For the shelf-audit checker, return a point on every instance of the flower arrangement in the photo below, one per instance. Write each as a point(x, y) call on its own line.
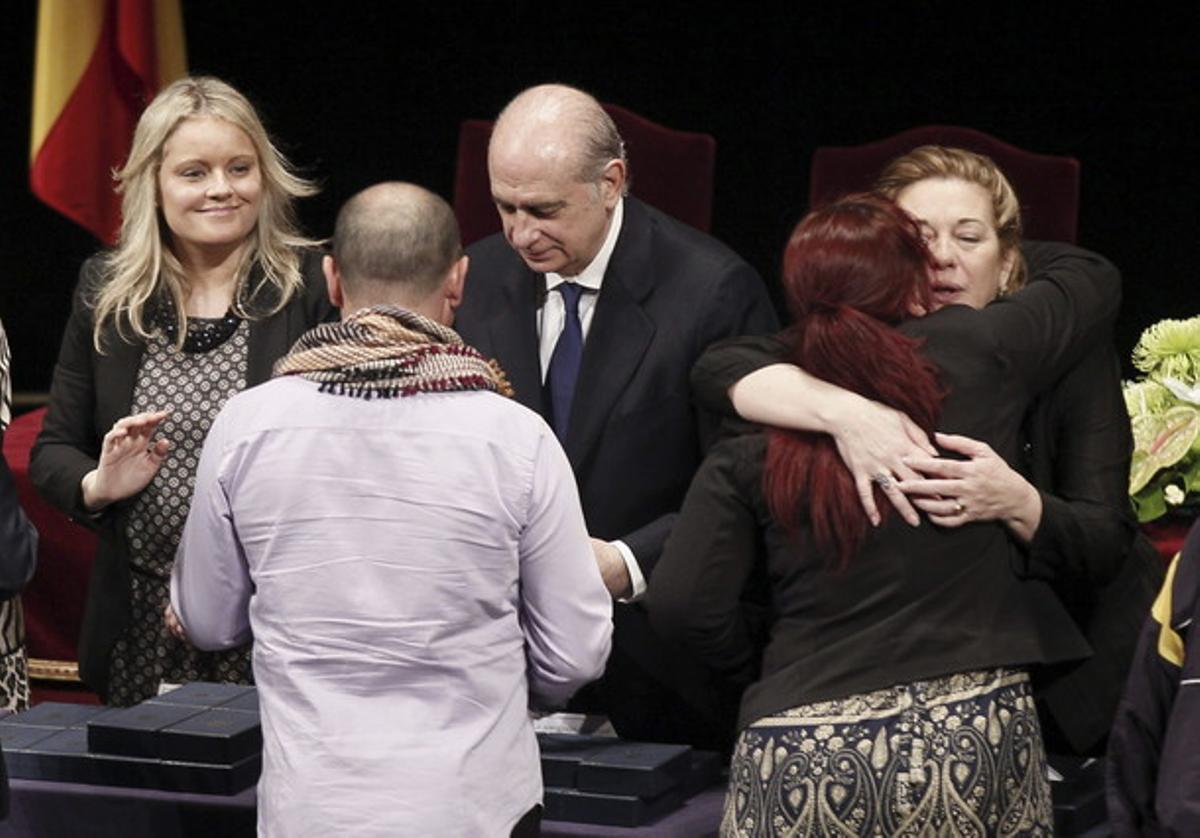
point(1164, 412)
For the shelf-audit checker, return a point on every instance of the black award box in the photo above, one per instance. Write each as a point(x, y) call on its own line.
point(202, 694)
point(641, 769)
point(217, 736)
point(562, 753)
point(133, 731)
point(56, 714)
point(247, 701)
point(202, 778)
point(606, 809)
point(1079, 796)
point(17, 742)
point(40, 752)
point(63, 756)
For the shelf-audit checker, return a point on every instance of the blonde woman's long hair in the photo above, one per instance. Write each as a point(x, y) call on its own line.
point(935, 161)
point(140, 267)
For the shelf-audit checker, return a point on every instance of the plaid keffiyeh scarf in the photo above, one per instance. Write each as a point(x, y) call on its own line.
point(387, 352)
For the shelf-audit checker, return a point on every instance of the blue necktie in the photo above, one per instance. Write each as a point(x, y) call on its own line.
point(564, 363)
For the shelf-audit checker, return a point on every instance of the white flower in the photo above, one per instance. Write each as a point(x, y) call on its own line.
point(1183, 391)
point(1173, 494)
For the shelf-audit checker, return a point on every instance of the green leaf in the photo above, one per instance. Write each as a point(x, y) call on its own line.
point(1149, 506)
point(1161, 441)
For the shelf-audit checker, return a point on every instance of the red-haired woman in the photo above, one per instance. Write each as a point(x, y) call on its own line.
point(891, 696)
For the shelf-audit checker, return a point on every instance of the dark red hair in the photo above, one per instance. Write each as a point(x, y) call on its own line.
point(851, 271)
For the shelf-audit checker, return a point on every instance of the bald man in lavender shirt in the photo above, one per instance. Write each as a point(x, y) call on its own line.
point(406, 548)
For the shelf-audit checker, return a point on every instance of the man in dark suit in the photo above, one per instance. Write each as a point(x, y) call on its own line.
point(596, 306)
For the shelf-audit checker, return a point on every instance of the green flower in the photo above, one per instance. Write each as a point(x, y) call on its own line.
point(1170, 348)
point(1146, 398)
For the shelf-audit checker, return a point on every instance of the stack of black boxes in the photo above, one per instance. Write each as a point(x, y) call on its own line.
point(601, 780)
point(201, 738)
point(206, 738)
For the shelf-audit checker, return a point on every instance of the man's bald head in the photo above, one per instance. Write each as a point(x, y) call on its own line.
point(397, 244)
point(395, 234)
point(562, 124)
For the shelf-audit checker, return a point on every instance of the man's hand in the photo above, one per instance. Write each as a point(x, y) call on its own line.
point(612, 569)
point(173, 625)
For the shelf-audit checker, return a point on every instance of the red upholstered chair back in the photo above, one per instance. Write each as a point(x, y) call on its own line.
point(671, 170)
point(1047, 186)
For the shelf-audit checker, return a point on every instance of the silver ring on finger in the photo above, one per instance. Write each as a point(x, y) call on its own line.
point(883, 480)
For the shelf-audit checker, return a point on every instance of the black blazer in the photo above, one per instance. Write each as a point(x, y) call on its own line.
point(90, 391)
point(635, 438)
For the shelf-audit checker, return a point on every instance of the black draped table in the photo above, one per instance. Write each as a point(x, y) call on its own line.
point(44, 808)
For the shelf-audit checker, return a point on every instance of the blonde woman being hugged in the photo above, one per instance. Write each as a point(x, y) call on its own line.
point(210, 283)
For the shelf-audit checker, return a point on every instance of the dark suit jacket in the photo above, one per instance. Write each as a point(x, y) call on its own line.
point(635, 437)
point(1087, 545)
point(90, 391)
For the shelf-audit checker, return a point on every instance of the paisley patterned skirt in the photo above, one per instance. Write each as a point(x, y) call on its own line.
point(957, 755)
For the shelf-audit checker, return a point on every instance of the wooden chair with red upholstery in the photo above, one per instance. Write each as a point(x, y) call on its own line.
point(670, 170)
point(1047, 185)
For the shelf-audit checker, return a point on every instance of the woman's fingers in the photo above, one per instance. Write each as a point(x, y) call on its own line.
point(931, 487)
point(963, 445)
point(887, 483)
point(917, 436)
point(944, 512)
point(866, 497)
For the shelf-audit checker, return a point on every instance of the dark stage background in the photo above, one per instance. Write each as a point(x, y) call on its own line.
point(358, 92)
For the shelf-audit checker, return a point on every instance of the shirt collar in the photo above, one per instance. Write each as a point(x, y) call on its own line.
point(593, 275)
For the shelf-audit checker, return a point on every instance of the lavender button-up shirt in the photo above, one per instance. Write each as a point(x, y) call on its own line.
point(415, 572)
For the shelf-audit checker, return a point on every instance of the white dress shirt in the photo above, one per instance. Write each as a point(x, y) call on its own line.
point(552, 318)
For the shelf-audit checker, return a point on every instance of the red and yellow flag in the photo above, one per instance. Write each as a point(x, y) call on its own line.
point(99, 63)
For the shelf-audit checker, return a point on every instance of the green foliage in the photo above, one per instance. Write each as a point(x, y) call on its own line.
point(1165, 468)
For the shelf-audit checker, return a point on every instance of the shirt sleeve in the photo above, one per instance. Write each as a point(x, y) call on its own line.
point(210, 583)
point(637, 580)
point(566, 612)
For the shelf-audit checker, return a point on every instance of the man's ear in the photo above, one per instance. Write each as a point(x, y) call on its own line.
point(453, 288)
point(333, 281)
point(612, 183)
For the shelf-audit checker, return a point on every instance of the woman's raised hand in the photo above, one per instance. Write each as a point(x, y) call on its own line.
point(129, 459)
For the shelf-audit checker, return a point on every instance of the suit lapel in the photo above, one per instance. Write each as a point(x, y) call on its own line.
point(619, 336)
point(513, 333)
